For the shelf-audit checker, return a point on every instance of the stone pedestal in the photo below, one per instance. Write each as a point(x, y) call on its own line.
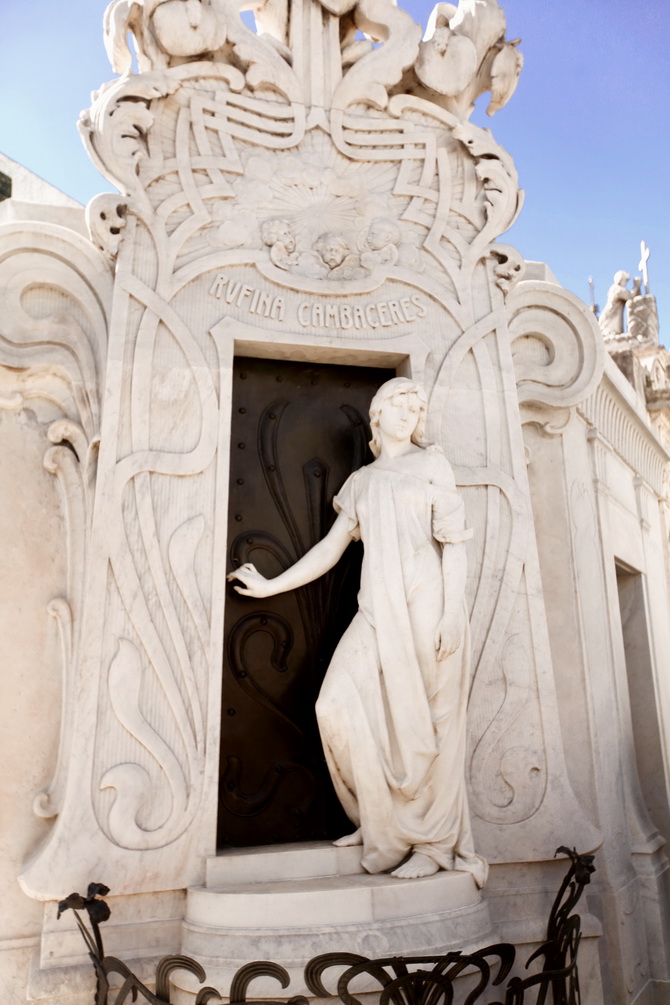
point(289, 903)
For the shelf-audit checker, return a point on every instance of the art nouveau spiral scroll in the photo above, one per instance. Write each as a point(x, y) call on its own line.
point(56, 294)
point(558, 354)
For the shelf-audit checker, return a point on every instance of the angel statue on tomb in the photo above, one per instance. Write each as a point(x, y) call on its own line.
point(611, 317)
point(391, 711)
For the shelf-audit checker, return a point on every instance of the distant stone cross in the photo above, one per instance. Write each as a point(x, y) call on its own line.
point(642, 266)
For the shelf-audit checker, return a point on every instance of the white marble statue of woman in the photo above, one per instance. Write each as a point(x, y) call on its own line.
point(391, 711)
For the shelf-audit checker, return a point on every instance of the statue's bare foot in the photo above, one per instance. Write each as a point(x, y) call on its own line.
point(417, 865)
point(349, 840)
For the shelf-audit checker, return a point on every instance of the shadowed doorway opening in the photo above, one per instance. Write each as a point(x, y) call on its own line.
point(298, 430)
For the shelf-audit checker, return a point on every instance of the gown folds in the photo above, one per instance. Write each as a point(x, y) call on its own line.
point(391, 716)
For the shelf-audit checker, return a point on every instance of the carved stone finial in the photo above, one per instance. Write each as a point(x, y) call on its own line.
point(106, 220)
point(164, 32)
point(643, 319)
point(509, 266)
point(465, 54)
point(593, 306)
point(174, 32)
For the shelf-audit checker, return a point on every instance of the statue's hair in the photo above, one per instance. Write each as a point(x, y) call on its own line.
point(398, 385)
point(621, 278)
point(271, 230)
point(328, 238)
point(390, 226)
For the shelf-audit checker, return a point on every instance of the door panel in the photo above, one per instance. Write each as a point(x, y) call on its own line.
point(298, 430)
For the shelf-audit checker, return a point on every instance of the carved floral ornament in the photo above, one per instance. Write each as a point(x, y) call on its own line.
point(463, 54)
point(325, 155)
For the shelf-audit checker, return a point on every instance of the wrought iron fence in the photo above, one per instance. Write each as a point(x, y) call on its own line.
point(400, 980)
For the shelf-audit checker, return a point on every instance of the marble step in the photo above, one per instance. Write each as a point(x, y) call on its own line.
point(269, 863)
point(292, 919)
point(326, 900)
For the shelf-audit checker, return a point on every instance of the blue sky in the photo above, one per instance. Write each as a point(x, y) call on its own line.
point(589, 126)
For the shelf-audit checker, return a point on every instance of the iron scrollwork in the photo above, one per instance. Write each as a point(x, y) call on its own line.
point(401, 980)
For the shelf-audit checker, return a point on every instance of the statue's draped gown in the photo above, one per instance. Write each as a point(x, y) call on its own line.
point(391, 716)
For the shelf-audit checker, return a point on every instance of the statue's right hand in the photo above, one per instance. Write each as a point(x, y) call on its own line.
point(254, 584)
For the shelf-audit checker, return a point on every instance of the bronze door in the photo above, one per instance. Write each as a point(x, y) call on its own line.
point(298, 430)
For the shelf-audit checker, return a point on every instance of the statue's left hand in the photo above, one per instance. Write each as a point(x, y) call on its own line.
point(255, 585)
point(449, 635)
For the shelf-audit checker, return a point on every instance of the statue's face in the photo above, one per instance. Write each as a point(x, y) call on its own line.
point(333, 252)
point(399, 415)
point(379, 237)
